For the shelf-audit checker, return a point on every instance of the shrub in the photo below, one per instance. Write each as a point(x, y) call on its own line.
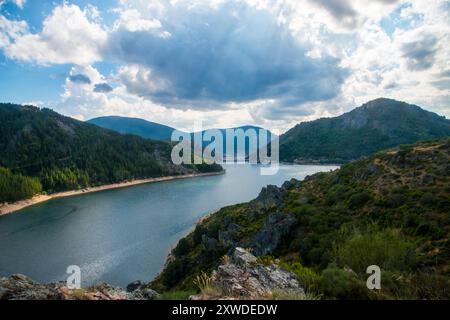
point(182, 248)
point(387, 248)
point(307, 277)
point(341, 284)
point(204, 283)
point(359, 199)
point(199, 231)
point(174, 272)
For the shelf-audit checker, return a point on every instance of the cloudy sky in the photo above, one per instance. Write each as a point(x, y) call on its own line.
point(266, 62)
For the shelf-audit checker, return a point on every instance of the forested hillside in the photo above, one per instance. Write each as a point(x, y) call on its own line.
point(390, 209)
point(376, 125)
point(64, 153)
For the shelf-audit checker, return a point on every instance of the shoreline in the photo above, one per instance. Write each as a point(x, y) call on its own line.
point(21, 204)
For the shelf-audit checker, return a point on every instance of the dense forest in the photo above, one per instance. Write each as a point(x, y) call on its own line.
point(64, 153)
point(375, 126)
point(14, 187)
point(389, 210)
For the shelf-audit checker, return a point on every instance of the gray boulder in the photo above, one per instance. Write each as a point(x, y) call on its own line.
point(244, 278)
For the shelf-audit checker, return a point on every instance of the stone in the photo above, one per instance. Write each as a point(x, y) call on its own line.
point(245, 278)
point(134, 285)
point(21, 287)
point(276, 226)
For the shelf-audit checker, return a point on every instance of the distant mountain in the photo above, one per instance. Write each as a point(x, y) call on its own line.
point(248, 149)
point(153, 130)
point(64, 153)
point(376, 125)
point(136, 126)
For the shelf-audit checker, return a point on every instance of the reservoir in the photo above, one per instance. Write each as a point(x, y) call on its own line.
point(122, 235)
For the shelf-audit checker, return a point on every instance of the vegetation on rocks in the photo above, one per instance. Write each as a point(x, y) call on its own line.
point(390, 209)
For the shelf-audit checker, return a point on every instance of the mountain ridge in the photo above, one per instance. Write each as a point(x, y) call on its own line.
point(136, 126)
point(376, 125)
point(66, 154)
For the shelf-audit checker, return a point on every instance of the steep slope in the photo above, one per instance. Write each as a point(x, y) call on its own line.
point(390, 209)
point(140, 127)
point(376, 125)
point(68, 154)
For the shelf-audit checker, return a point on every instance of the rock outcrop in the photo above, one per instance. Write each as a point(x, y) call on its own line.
point(276, 226)
point(244, 277)
point(20, 287)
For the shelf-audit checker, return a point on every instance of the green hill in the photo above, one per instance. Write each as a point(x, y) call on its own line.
point(64, 153)
point(140, 127)
point(375, 126)
point(390, 209)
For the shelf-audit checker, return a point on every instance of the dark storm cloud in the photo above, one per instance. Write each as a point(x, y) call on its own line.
point(420, 54)
point(338, 8)
point(344, 13)
point(102, 87)
point(443, 84)
point(214, 57)
point(80, 78)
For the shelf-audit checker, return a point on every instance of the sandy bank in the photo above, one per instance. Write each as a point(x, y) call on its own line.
point(15, 206)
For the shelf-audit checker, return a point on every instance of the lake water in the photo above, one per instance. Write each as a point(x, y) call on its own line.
point(122, 235)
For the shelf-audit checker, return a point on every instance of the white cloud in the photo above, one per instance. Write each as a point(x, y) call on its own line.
point(69, 35)
point(20, 3)
point(132, 20)
point(81, 101)
point(10, 30)
point(408, 60)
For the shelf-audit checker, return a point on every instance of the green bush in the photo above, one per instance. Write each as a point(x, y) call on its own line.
point(388, 248)
point(174, 272)
point(182, 248)
point(359, 199)
point(307, 277)
point(337, 283)
point(199, 231)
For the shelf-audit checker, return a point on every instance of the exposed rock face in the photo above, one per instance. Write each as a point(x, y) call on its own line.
point(268, 238)
point(20, 287)
point(140, 291)
point(270, 196)
point(244, 278)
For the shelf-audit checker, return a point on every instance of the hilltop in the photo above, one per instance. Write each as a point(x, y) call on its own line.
point(136, 126)
point(374, 126)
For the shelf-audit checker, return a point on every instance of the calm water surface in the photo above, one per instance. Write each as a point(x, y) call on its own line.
point(122, 235)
